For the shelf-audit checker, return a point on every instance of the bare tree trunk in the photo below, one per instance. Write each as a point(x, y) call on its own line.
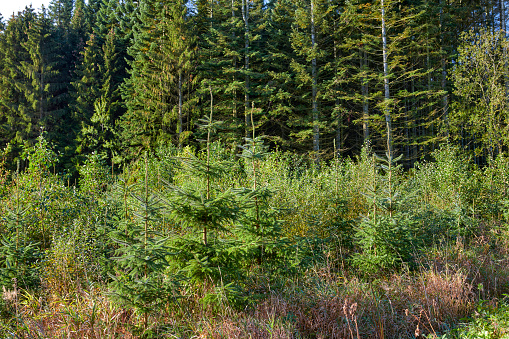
point(501, 4)
point(41, 98)
point(180, 110)
point(245, 16)
point(364, 91)
point(339, 136)
point(316, 122)
point(388, 122)
point(445, 98)
point(234, 104)
point(502, 16)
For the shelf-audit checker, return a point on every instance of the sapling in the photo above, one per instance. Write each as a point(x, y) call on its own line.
point(141, 258)
point(265, 224)
point(385, 240)
point(18, 257)
point(207, 248)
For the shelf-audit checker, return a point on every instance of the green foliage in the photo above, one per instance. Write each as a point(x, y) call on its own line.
point(206, 217)
point(67, 267)
point(161, 60)
point(480, 79)
point(43, 194)
point(387, 237)
point(447, 183)
point(202, 208)
point(20, 263)
point(140, 281)
point(385, 243)
point(489, 322)
point(94, 175)
point(41, 158)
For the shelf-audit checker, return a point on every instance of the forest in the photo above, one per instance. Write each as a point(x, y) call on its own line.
point(255, 169)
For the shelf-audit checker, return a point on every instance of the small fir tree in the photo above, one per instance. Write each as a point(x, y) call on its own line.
point(141, 281)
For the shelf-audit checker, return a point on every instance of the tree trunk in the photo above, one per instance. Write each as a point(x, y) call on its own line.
point(339, 136)
point(445, 98)
point(316, 122)
point(501, 4)
point(245, 16)
point(364, 91)
point(41, 97)
point(180, 110)
point(387, 112)
point(234, 104)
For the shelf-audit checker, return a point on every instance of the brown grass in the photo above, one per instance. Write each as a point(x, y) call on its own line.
point(320, 304)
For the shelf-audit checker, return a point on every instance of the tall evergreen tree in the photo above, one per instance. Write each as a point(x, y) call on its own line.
point(40, 83)
point(17, 125)
point(308, 43)
point(220, 44)
point(79, 26)
point(102, 69)
point(280, 84)
point(87, 88)
point(161, 53)
point(60, 13)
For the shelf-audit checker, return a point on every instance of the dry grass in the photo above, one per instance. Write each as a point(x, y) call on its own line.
point(321, 303)
point(89, 315)
point(393, 308)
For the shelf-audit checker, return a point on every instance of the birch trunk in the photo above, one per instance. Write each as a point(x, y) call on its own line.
point(234, 105)
point(245, 16)
point(364, 91)
point(316, 123)
point(180, 110)
point(388, 122)
point(445, 98)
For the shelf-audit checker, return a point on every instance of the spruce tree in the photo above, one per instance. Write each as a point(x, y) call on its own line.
point(18, 123)
point(141, 281)
point(79, 26)
point(39, 71)
point(308, 44)
point(154, 93)
point(278, 91)
point(259, 228)
point(87, 87)
point(202, 212)
point(97, 99)
point(220, 51)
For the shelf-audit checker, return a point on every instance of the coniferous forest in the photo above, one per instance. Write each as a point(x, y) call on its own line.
point(255, 169)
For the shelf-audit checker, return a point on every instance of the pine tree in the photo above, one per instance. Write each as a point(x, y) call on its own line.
point(204, 211)
point(261, 227)
point(231, 57)
point(61, 13)
point(79, 26)
point(87, 87)
point(141, 281)
point(97, 99)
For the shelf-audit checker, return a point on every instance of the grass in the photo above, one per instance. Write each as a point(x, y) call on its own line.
point(321, 303)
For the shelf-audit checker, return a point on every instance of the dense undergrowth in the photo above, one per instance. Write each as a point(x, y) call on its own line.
point(216, 244)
